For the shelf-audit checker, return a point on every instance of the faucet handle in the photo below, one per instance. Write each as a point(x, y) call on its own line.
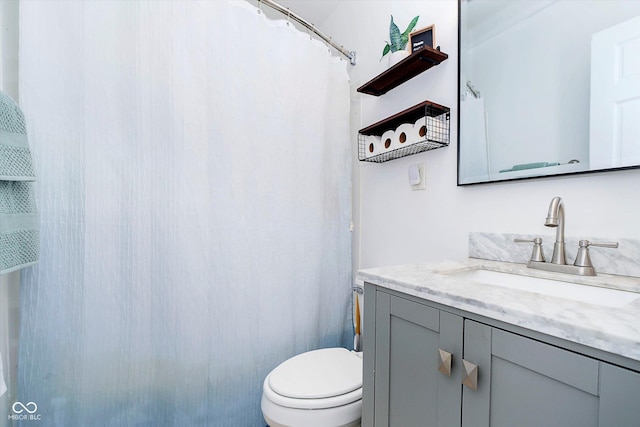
point(582, 258)
point(582, 243)
point(537, 255)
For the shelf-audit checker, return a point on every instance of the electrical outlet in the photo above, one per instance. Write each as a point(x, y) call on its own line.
point(423, 178)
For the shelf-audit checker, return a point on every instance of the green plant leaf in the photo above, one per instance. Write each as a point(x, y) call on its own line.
point(411, 26)
point(395, 36)
point(386, 49)
point(405, 35)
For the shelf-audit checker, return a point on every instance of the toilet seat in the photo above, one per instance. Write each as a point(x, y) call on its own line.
point(319, 379)
point(324, 403)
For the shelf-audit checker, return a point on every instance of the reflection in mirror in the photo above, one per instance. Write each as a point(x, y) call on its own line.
point(547, 87)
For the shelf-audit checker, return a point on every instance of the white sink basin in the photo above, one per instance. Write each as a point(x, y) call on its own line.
point(578, 292)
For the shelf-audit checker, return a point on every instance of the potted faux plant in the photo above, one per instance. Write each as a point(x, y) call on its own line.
point(398, 41)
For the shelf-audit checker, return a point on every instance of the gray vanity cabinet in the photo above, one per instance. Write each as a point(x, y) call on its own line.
point(520, 381)
point(527, 383)
point(409, 388)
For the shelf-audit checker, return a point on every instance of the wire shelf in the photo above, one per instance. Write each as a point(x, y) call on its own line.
point(399, 136)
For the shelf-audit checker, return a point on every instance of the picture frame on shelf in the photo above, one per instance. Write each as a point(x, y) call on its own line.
point(423, 37)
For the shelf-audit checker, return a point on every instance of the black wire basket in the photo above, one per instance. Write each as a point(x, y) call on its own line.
point(423, 127)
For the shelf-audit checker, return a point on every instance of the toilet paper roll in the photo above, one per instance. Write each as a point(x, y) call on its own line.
point(404, 135)
point(387, 141)
point(372, 146)
point(3, 386)
point(420, 129)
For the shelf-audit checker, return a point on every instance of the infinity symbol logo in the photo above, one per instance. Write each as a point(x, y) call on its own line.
point(22, 407)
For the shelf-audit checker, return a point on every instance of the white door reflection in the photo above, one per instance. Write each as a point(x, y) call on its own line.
point(614, 139)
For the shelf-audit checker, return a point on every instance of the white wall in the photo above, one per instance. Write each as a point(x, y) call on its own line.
point(395, 225)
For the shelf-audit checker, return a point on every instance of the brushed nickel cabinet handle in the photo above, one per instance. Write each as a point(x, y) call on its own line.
point(444, 362)
point(470, 374)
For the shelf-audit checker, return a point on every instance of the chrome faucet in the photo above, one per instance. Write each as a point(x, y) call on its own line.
point(555, 218)
point(582, 265)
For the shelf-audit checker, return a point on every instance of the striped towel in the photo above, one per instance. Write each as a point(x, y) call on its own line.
point(19, 236)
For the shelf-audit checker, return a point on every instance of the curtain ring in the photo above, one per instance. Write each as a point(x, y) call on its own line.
point(288, 16)
point(313, 29)
point(259, 7)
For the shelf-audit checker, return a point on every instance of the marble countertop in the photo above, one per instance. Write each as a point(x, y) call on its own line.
point(615, 330)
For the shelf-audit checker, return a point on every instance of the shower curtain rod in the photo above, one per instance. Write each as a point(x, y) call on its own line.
point(351, 55)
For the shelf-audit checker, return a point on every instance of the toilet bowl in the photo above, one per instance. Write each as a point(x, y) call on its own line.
point(319, 388)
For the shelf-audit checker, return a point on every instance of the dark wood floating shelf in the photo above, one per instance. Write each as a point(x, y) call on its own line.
point(436, 132)
point(404, 70)
point(410, 115)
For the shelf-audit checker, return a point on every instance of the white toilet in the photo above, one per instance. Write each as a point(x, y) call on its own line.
point(319, 388)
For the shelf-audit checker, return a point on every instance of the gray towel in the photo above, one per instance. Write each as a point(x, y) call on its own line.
point(19, 236)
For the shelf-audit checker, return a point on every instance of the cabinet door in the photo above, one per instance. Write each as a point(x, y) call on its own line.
point(526, 383)
point(410, 391)
point(619, 401)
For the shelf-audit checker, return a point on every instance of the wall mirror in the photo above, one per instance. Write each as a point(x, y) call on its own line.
point(547, 87)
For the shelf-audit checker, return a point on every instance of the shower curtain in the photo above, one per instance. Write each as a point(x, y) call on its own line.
point(194, 196)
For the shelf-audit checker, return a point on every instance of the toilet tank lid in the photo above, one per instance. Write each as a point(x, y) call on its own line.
point(318, 374)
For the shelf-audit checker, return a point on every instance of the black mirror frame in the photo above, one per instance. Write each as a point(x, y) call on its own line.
point(459, 184)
